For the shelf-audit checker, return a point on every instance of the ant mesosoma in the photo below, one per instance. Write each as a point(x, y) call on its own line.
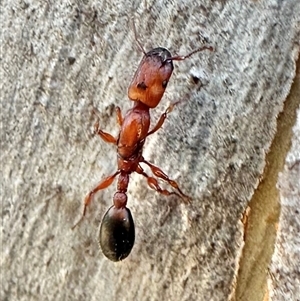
point(117, 233)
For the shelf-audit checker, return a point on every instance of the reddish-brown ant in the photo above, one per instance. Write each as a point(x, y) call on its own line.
point(117, 234)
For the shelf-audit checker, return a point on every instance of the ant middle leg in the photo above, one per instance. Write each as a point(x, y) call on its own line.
point(163, 118)
point(160, 174)
point(102, 185)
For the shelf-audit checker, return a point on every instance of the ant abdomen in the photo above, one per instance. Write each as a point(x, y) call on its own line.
point(117, 234)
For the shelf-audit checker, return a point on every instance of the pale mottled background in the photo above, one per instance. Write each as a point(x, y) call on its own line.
point(61, 59)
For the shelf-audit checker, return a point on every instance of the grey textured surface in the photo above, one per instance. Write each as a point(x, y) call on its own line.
point(214, 144)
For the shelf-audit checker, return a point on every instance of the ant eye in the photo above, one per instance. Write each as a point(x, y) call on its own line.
point(142, 86)
point(164, 83)
point(165, 61)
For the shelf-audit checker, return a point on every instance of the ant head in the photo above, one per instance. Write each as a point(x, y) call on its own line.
point(151, 78)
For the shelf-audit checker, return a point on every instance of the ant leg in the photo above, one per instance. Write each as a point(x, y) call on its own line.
point(153, 183)
point(163, 118)
point(104, 135)
point(102, 185)
point(160, 174)
point(119, 116)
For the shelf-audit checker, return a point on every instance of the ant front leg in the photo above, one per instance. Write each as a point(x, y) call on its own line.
point(163, 118)
point(160, 174)
point(104, 135)
point(119, 116)
point(102, 185)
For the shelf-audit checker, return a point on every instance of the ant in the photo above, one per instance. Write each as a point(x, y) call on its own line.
point(117, 233)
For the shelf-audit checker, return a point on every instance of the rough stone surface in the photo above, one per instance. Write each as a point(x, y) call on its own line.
point(61, 59)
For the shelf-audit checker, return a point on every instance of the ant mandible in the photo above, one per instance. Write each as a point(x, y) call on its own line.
point(117, 233)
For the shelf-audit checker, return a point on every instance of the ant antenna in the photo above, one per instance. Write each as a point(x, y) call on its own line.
point(136, 37)
point(183, 57)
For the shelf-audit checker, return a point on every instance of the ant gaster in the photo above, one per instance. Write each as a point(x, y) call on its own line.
point(117, 234)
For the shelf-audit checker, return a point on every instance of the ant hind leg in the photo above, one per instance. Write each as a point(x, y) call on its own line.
point(160, 174)
point(102, 185)
point(153, 183)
